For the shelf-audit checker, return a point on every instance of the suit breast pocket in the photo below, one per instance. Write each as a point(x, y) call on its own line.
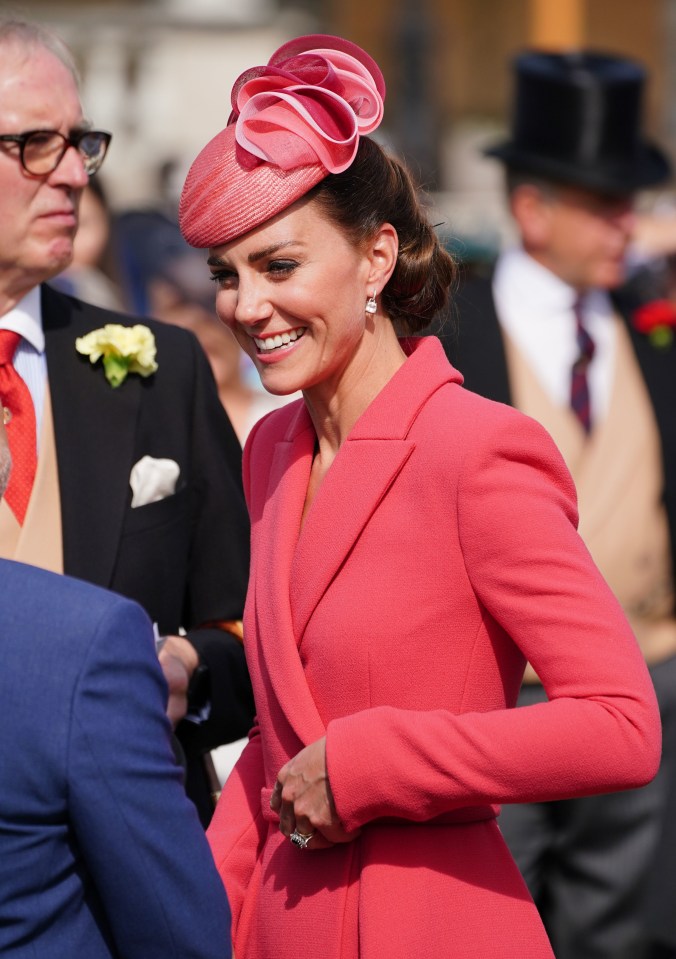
point(154, 555)
point(170, 510)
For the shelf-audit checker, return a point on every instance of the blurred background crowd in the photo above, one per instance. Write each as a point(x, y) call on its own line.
point(148, 69)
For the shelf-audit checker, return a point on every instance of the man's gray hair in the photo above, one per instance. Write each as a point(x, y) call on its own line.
point(29, 36)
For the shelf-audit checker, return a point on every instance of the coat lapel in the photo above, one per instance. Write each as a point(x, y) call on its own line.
point(362, 474)
point(276, 643)
point(293, 569)
point(94, 428)
point(358, 479)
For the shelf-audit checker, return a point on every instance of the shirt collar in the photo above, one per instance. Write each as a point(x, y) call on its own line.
point(26, 319)
point(535, 282)
point(533, 290)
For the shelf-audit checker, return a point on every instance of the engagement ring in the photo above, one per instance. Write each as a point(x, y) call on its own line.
point(300, 839)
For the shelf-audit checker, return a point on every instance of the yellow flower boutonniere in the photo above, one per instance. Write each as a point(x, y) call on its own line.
point(125, 349)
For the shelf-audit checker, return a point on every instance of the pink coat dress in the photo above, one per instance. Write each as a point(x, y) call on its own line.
point(439, 554)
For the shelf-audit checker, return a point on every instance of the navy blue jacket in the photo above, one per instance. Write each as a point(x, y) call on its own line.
point(102, 854)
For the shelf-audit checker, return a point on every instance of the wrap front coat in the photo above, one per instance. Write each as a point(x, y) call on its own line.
point(439, 554)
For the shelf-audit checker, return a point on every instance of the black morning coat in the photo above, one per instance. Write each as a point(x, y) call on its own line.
point(184, 558)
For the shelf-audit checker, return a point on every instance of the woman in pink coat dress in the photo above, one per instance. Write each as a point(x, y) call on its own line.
point(413, 545)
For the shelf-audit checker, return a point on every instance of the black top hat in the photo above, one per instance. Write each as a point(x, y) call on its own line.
point(577, 119)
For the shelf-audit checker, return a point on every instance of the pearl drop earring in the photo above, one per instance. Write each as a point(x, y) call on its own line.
point(371, 305)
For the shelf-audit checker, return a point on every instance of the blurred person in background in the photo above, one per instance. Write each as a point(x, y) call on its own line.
point(412, 545)
point(91, 273)
point(131, 471)
point(102, 854)
point(554, 333)
point(164, 277)
point(244, 402)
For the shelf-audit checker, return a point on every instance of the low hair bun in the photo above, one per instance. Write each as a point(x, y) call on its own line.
point(378, 189)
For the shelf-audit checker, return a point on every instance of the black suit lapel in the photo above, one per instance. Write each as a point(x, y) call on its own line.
point(94, 428)
point(473, 341)
point(658, 366)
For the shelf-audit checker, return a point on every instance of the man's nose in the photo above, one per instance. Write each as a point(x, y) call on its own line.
point(71, 170)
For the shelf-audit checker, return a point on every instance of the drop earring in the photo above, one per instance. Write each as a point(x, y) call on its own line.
point(371, 305)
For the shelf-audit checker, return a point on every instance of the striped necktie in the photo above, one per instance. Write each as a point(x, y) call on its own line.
point(19, 417)
point(579, 385)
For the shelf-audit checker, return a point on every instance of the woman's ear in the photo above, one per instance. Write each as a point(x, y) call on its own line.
point(382, 254)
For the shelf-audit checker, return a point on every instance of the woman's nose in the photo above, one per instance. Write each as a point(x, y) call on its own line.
point(253, 303)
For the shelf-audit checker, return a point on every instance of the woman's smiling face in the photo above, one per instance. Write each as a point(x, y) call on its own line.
point(293, 292)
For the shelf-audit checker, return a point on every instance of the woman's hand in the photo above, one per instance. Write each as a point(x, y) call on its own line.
point(302, 797)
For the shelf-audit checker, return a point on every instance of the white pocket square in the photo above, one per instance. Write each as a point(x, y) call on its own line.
point(152, 480)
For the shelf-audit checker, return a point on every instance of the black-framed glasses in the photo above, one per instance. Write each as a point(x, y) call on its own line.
point(41, 151)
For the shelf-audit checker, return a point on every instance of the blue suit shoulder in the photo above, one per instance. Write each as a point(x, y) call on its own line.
point(52, 593)
point(39, 593)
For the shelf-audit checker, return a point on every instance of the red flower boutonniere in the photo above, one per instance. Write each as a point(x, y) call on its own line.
point(657, 320)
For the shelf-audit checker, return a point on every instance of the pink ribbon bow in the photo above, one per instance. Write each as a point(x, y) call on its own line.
point(307, 104)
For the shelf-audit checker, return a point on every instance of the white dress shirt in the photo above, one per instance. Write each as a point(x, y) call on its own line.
point(30, 360)
point(536, 310)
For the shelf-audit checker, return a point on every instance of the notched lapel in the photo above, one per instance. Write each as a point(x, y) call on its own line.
point(294, 567)
point(95, 427)
point(363, 472)
point(351, 491)
point(277, 649)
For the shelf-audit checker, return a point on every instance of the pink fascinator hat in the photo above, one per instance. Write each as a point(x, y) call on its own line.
point(293, 122)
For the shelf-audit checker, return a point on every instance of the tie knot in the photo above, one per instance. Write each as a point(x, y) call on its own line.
point(8, 344)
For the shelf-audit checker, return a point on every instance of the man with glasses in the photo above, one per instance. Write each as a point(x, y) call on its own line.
point(133, 485)
point(41, 151)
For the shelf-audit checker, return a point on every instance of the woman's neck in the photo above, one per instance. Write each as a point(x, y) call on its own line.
point(334, 410)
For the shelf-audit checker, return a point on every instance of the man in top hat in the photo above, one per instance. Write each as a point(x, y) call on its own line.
point(549, 334)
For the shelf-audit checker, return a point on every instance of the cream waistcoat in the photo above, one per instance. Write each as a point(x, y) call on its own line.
point(619, 479)
point(39, 541)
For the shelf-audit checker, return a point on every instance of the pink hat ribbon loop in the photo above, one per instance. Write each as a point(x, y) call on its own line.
point(310, 107)
point(281, 127)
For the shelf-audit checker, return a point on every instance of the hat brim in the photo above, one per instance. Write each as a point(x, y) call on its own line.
point(649, 168)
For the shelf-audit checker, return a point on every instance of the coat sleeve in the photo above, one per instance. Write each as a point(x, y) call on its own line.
point(534, 579)
point(138, 834)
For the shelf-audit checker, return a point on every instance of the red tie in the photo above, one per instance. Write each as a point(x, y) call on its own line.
point(579, 386)
point(19, 416)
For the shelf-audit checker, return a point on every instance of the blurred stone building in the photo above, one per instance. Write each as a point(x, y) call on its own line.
point(158, 74)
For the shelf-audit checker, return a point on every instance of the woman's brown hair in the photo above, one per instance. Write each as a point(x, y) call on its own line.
point(378, 189)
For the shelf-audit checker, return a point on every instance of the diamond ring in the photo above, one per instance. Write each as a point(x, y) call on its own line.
point(300, 839)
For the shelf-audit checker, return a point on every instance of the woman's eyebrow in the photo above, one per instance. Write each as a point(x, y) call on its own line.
point(271, 250)
point(257, 254)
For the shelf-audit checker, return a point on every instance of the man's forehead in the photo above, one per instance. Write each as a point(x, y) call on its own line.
point(36, 90)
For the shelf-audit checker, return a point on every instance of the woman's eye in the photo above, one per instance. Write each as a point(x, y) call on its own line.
point(224, 278)
point(281, 267)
